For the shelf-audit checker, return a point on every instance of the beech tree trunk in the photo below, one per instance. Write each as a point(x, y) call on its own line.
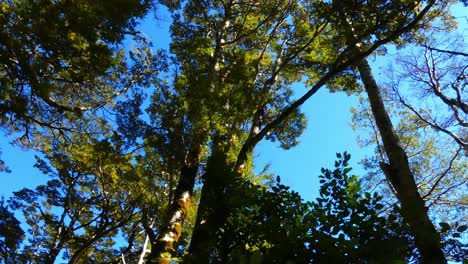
point(162, 248)
point(414, 211)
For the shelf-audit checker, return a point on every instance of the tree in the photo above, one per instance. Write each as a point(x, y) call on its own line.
point(434, 150)
point(62, 58)
point(355, 44)
point(207, 83)
point(228, 88)
point(427, 238)
point(92, 200)
point(401, 176)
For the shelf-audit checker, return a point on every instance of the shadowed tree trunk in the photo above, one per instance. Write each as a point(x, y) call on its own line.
point(162, 247)
point(213, 208)
point(399, 174)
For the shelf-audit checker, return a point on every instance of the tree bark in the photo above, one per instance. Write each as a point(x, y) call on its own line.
point(162, 248)
point(212, 210)
point(414, 211)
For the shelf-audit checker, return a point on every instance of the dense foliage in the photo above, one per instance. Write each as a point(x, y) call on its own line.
point(165, 174)
point(343, 225)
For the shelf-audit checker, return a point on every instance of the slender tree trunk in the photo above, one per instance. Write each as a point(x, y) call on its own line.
point(414, 211)
point(162, 249)
point(145, 250)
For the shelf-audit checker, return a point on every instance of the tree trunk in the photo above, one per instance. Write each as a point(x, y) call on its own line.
point(212, 210)
point(414, 211)
point(162, 249)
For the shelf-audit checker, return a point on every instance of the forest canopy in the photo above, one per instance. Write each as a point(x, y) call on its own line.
point(149, 151)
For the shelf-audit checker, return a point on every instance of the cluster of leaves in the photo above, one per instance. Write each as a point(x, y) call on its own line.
point(11, 234)
point(80, 216)
point(343, 225)
point(454, 240)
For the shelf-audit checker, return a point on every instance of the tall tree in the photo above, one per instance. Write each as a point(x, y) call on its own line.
point(421, 98)
point(378, 30)
point(224, 64)
point(214, 24)
point(92, 200)
point(427, 238)
point(401, 177)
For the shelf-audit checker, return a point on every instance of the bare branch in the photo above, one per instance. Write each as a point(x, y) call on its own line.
point(443, 174)
point(433, 124)
point(445, 51)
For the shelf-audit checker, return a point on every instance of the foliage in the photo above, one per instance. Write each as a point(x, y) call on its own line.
point(90, 203)
point(454, 240)
point(11, 234)
point(3, 166)
point(357, 220)
point(343, 225)
point(62, 58)
point(137, 167)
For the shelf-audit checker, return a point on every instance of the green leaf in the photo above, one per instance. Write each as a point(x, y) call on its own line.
point(445, 226)
point(379, 206)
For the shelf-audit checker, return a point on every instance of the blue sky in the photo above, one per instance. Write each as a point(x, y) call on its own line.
point(328, 132)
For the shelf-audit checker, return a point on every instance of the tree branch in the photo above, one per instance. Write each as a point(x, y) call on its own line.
point(444, 173)
point(432, 124)
point(445, 51)
point(333, 71)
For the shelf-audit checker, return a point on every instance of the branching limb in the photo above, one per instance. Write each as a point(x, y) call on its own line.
point(443, 174)
point(445, 51)
point(432, 123)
